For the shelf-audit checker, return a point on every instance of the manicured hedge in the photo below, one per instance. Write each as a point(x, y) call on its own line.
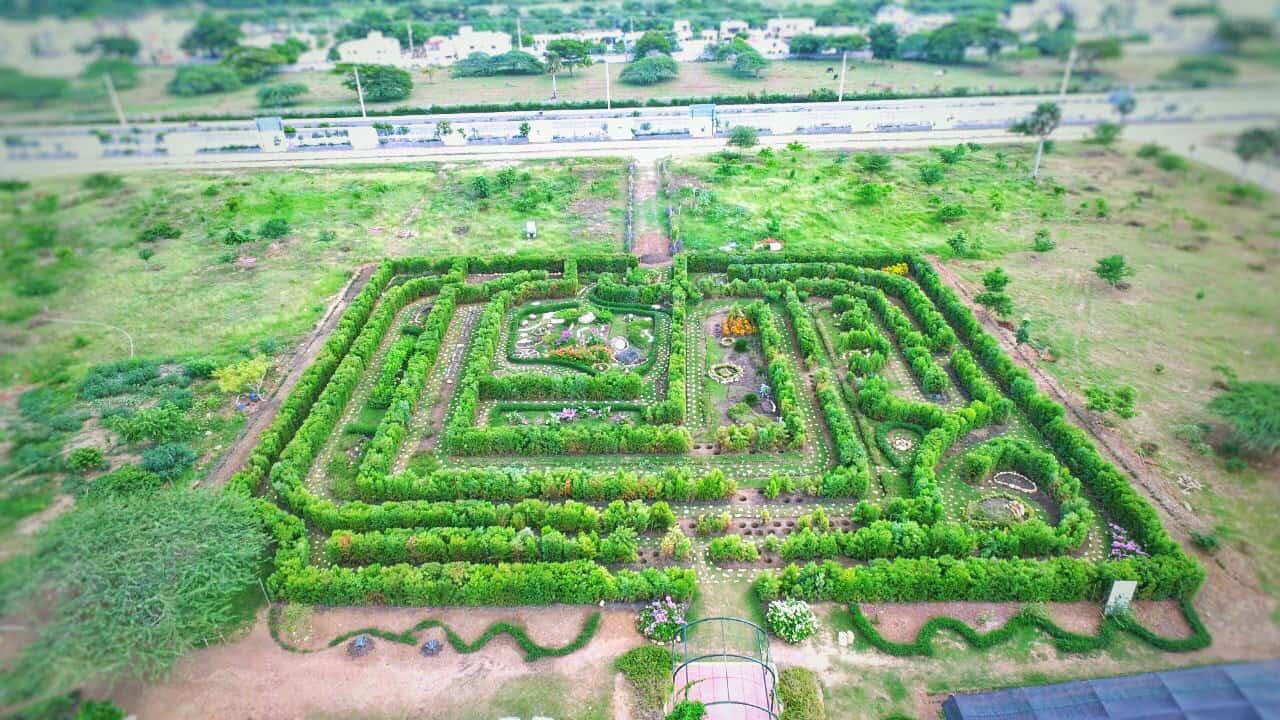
point(499, 484)
point(611, 384)
point(483, 544)
point(578, 582)
point(1027, 618)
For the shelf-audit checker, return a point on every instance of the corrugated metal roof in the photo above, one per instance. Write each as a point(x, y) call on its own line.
point(1245, 691)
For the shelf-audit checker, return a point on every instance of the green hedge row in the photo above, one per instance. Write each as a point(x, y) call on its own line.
point(869, 349)
point(781, 376)
point(500, 484)
point(571, 440)
point(482, 545)
point(392, 365)
point(612, 384)
point(577, 582)
point(381, 452)
point(1059, 579)
point(1028, 619)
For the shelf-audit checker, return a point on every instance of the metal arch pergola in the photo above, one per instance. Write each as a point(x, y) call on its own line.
point(758, 702)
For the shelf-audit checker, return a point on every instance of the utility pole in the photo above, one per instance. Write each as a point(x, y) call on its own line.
point(359, 91)
point(608, 94)
point(519, 34)
point(115, 100)
point(844, 64)
point(408, 24)
point(1066, 73)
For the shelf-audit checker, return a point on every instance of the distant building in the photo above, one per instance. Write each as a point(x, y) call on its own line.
point(683, 30)
point(469, 41)
point(374, 49)
point(787, 28)
point(730, 28)
point(909, 23)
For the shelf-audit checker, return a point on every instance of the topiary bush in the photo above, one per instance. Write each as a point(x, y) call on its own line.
point(791, 620)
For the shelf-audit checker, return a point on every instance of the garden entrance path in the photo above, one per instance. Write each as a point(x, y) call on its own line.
point(651, 243)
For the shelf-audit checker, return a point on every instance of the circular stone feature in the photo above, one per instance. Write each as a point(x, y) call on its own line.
point(725, 373)
point(1015, 481)
point(1000, 510)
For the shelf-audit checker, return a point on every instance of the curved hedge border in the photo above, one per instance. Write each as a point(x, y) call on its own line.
point(532, 650)
point(1063, 640)
point(890, 453)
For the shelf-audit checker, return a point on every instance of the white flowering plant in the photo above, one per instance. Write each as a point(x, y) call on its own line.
point(660, 620)
point(791, 620)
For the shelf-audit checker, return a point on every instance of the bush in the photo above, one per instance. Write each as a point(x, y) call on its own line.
point(661, 620)
point(381, 83)
point(932, 174)
point(168, 460)
point(191, 80)
point(478, 64)
point(791, 620)
point(274, 228)
point(648, 669)
point(743, 136)
point(84, 459)
point(159, 231)
point(650, 70)
point(281, 94)
point(951, 213)
point(800, 693)
point(102, 182)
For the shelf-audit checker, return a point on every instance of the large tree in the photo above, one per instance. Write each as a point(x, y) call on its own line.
point(884, 41)
point(652, 41)
point(252, 64)
point(381, 83)
point(1040, 123)
point(124, 585)
point(1252, 411)
point(211, 35)
point(1256, 143)
point(573, 53)
point(1091, 52)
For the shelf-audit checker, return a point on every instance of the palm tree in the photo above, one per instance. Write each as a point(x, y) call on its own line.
point(555, 65)
point(1040, 123)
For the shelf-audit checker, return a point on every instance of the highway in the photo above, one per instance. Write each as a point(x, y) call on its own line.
point(1188, 115)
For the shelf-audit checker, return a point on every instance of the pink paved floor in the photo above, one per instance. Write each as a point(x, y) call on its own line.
point(740, 681)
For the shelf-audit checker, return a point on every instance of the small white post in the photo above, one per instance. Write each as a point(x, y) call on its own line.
point(115, 100)
point(608, 93)
point(359, 90)
point(844, 64)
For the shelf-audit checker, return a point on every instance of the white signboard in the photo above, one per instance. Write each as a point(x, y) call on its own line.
point(1121, 595)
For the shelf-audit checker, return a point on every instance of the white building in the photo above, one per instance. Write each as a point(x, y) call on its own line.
point(908, 23)
point(729, 28)
point(683, 30)
point(469, 41)
point(375, 49)
point(787, 28)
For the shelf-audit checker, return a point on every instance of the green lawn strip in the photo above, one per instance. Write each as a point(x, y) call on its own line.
point(532, 650)
point(1063, 640)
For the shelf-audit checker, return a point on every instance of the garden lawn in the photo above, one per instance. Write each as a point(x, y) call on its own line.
point(197, 294)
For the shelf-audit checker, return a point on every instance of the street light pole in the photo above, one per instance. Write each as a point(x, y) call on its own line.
point(359, 90)
point(608, 93)
point(844, 64)
point(115, 100)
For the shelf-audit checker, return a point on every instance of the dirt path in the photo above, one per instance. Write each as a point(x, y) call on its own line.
point(651, 244)
point(266, 411)
point(253, 677)
point(1234, 607)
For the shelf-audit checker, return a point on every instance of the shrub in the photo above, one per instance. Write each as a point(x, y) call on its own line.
point(951, 213)
point(1171, 163)
point(732, 548)
point(791, 620)
point(274, 228)
point(931, 174)
point(712, 523)
point(102, 182)
point(281, 94)
point(84, 459)
point(159, 231)
point(192, 80)
point(800, 694)
point(743, 136)
point(661, 620)
point(873, 162)
point(382, 83)
point(1043, 242)
point(648, 669)
point(168, 460)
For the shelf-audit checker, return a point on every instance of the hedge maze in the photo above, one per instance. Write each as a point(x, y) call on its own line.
point(534, 430)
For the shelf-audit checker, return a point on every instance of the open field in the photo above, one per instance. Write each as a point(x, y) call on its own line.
point(563, 427)
point(697, 79)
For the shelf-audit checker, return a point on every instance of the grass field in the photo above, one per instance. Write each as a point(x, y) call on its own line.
point(199, 294)
point(696, 80)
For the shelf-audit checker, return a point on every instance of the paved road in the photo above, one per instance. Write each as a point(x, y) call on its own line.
point(1187, 116)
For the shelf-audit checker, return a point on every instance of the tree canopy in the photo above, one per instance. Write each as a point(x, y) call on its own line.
point(381, 83)
point(124, 585)
point(650, 70)
point(884, 41)
point(203, 79)
point(1252, 411)
point(515, 62)
point(211, 35)
point(653, 41)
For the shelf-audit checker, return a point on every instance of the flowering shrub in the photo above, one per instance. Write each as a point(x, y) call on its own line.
point(661, 619)
point(791, 620)
point(1122, 546)
point(899, 268)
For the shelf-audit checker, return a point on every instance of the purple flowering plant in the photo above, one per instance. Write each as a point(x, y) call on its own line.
point(1122, 546)
point(660, 620)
